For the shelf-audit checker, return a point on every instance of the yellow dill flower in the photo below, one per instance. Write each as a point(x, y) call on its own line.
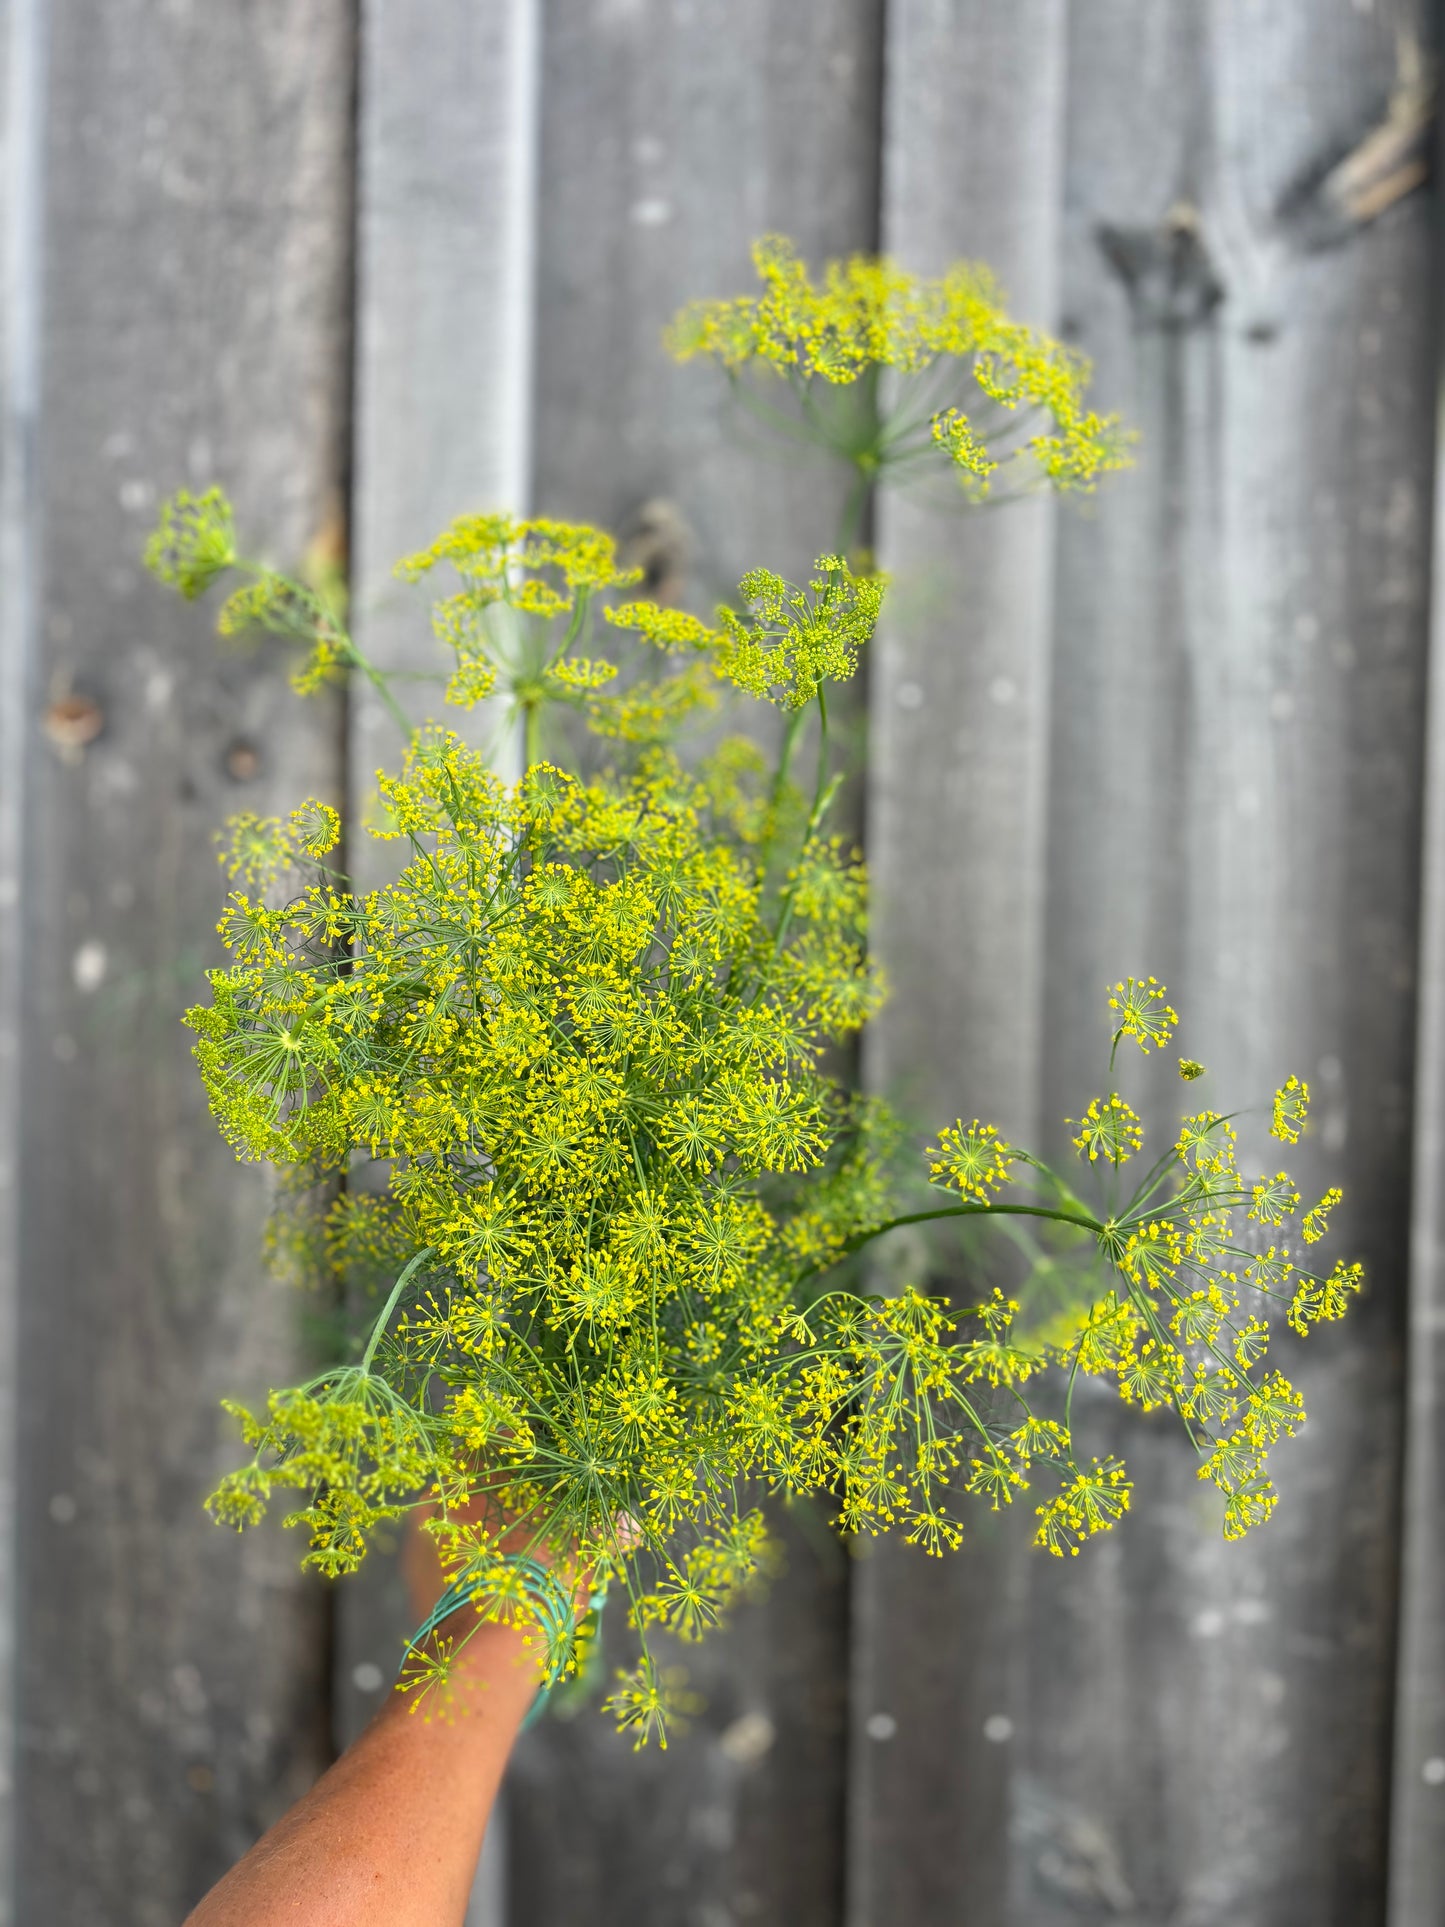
point(270, 602)
point(1321, 1300)
point(1211, 1395)
point(581, 673)
point(427, 1677)
point(474, 680)
point(790, 641)
point(1273, 1406)
point(1199, 1315)
point(1153, 1254)
point(1141, 1012)
point(1093, 1501)
point(194, 541)
point(683, 1604)
point(870, 315)
point(1316, 1219)
point(931, 1528)
point(973, 1158)
point(1206, 1142)
point(953, 432)
point(316, 828)
point(672, 631)
point(1151, 1377)
point(540, 562)
point(1109, 1129)
point(1273, 1200)
point(1269, 1271)
point(1291, 1108)
point(1248, 1505)
point(1040, 1438)
point(256, 850)
point(646, 1701)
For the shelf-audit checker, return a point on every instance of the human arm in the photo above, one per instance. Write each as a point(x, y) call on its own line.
point(389, 1835)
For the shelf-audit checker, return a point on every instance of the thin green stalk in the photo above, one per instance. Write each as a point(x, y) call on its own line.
point(823, 794)
point(390, 1306)
point(785, 756)
point(379, 682)
point(850, 522)
point(976, 1210)
point(818, 787)
point(574, 628)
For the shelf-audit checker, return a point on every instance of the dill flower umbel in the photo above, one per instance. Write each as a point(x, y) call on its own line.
point(902, 375)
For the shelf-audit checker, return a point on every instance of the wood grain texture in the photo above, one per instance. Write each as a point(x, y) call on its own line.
point(973, 132)
point(1417, 1804)
point(196, 227)
point(671, 137)
point(1187, 1731)
point(1236, 779)
point(446, 153)
point(22, 66)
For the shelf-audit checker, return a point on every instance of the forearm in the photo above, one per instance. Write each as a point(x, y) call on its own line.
point(389, 1836)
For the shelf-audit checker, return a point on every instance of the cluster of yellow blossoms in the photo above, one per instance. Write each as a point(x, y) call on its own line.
point(870, 323)
point(562, 1087)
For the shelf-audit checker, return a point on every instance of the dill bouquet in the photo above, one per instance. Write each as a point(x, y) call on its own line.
point(564, 1079)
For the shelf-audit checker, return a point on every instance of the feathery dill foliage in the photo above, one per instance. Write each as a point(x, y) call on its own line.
point(580, 1037)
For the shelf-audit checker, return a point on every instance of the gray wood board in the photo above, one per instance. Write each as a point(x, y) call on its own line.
point(671, 137)
point(1189, 1731)
point(21, 138)
point(1417, 1804)
point(172, 1690)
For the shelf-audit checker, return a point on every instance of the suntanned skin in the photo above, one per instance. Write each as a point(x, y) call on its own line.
point(389, 1836)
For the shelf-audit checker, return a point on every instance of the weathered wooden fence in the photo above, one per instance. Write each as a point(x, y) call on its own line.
point(373, 265)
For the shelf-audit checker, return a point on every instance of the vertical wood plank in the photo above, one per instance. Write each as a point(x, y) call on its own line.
point(171, 1680)
point(671, 137)
point(973, 133)
point(446, 156)
point(1237, 782)
point(1178, 1729)
point(22, 69)
point(1417, 1805)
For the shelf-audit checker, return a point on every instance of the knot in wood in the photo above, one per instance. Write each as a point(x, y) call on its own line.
point(1166, 270)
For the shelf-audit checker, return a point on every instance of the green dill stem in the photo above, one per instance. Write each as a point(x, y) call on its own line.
point(850, 522)
point(785, 757)
point(823, 794)
point(818, 803)
point(745, 393)
point(791, 731)
point(1153, 1181)
point(390, 1306)
point(324, 623)
point(862, 1238)
point(531, 734)
point(380, 683)
point(573, 631)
